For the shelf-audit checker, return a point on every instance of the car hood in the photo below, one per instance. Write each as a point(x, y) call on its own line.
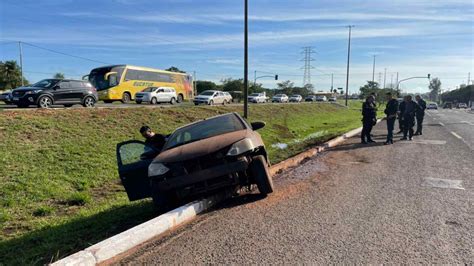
point(201, 147)
point(28, 89)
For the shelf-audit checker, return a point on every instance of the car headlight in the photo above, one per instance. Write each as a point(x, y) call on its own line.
point(33, 92)
point(241, 147)
point(156, 169)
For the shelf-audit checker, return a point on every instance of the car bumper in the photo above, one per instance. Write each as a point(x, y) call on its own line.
point(201, 101)
point(25, 99)
point(224, 174)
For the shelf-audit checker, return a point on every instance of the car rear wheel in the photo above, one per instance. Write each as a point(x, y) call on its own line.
point(45, 102)
point(224, 102)
point(173, 101)
point(126, 97)
point(153, 101)
point(259, 170)
point(89, 102)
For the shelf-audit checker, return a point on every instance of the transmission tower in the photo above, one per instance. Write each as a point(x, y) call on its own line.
point(307, 51)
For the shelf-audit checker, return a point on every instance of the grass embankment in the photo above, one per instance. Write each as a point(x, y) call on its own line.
point(59, 188)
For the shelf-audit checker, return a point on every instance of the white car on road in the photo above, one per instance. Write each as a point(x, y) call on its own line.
point(211, 97)
point(295, 98)
point(154, 95)
point(280, 98)
point(257, 98)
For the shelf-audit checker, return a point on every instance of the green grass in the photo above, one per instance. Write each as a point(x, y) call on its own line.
point(59, 188)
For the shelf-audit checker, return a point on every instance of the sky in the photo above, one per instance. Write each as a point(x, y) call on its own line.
point(408, 37)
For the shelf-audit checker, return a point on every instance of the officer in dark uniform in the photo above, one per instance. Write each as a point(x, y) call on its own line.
point(401, 109)
point(420, 115)
point(408, 117)
point(152, 139)
point(391, 111)
point(369, 119)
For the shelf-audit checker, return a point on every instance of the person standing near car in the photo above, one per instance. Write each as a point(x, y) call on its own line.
point(420, 115)
point(391, 111)
point(408, 117)
point(401, 109)
point(152, 139)
point(369, 119)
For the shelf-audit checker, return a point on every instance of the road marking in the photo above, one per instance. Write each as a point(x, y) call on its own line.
point(456, 135)
point(426, 141)
point(441, 124)
point(442, 183)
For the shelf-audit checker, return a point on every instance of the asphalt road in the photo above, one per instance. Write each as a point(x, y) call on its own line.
point(355, 204)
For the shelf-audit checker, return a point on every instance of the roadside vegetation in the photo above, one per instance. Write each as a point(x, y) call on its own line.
point(59, 187)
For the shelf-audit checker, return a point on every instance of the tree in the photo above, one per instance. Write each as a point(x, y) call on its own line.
point(175, 69)
point(59, 75)
point(435, 87)
point(369, 88)
point(233, 84)
point(10, 75)
point(285, 85)
point(204, 85)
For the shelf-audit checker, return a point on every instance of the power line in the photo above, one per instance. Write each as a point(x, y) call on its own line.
point(65, 54)
point(307, 51)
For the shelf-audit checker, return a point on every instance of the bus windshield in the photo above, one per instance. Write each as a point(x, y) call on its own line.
point(97, 77)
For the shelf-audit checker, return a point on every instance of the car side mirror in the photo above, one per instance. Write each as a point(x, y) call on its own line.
point(257, 125)
point(56, 87)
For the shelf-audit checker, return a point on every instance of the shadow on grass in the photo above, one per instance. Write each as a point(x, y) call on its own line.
point(55, 242)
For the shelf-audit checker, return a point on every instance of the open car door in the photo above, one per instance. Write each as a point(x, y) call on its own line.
point(133, 159)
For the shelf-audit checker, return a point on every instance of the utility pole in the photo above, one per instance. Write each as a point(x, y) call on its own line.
point(255, 78)
point(468, 78)
point(373, 70)
point(246, 59)
point(332, 82)
point(194, 83)
point(391, 81)
point(384, 77)
point(348, 61)
point(380, 78)
point(21, 63)
point(307, 51)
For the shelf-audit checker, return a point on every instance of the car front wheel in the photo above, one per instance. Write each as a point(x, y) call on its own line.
point(211, 102)
point(89, 102)
point(153, 101)
point(173, 101)
point(45, 102)
point(259, 170)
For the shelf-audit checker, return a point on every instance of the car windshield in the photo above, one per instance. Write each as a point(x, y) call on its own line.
point(150, 89)
point(278, 95)
point(45, 83)
point(204, 129)
point(295, 96)
point(97, 77)
point(207, 93)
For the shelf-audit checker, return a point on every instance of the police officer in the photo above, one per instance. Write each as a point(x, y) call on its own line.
point(391, 111)
point(401, 109)
point(369, 119)
point(420, 115)
point(408, 117)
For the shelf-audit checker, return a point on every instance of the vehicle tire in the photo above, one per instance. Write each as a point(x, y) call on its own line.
point(196, 103)
point(108, 101)
point(211, 102)
point(224, 102)
point(180, 98)
point(259, 171)
point(139, 102)
point(68, 105)
point(153, 101)
point(45, 102)
point(173, 101)
point(126, 97)
point(89, 102)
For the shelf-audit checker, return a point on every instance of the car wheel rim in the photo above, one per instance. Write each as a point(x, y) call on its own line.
point(45, 102)
point(89, 102)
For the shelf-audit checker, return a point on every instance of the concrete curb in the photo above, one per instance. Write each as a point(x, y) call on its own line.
point(119, 245)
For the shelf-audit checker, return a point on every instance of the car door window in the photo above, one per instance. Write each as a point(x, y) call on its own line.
point(64, 85)
point(133, 152)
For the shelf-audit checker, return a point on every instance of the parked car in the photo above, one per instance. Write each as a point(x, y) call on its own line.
point(321, 98)
point(332, 99)
point(432, 106)
point(448, 105)
point(461, 105)
point(210, 97)
point(48, 92)
point(6, 97)
point(280, 98)
point(257, 98)
point(222, 152)
point(295, 98)
point(228, 97)
point(310, 98)
point(154, 95)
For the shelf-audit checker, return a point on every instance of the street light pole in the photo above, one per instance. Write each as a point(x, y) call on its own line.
point(348, 61)
point(21, 64)
point(246, 57)
point(373, 71)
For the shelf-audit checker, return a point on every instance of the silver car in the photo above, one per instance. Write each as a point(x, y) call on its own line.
point(154, 95)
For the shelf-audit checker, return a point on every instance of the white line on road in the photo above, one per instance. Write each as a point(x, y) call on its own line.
point(456, 135)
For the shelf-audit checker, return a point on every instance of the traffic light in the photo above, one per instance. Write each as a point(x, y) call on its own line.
point(429, 75)
point(276, 77)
